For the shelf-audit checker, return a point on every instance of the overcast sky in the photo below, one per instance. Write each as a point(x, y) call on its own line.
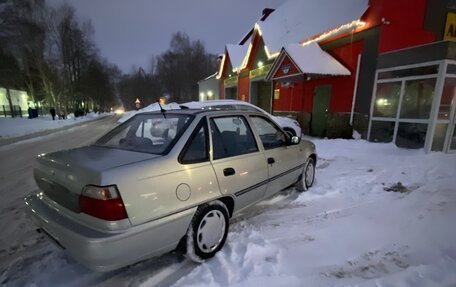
point(129, 32)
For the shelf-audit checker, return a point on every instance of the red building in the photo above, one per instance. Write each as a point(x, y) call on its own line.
point(384, 68)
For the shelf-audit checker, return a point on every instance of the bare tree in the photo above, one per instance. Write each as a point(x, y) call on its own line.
point(182, 66)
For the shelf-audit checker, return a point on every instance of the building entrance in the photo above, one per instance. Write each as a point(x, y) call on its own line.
point(320, 110)
point(231, 93)
point(261, 95)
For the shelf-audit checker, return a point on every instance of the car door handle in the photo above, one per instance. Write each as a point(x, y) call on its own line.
point(229, 171)
point(271, 160)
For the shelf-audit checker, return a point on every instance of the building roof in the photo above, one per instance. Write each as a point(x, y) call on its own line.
point(237, 54)
point(209, 77)
point(310, 59)
point(298, 20)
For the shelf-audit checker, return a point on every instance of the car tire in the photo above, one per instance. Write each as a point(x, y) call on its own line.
point(307, 177)
point(207, 232)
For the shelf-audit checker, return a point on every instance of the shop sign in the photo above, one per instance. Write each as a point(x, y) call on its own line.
point(231, 81)
point(450, 27)
point(276, 94)
point(262, 71)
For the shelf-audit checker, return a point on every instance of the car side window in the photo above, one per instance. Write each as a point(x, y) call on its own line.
point(231, 136)
point(270, 135)
point(196, 150)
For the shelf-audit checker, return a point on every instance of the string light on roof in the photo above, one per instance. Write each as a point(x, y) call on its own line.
point(344, 28)
point(222, 65)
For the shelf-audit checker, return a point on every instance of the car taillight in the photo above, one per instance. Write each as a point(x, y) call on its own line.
point(103, 202)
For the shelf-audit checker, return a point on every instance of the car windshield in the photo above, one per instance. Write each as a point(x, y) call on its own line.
point(152, 133)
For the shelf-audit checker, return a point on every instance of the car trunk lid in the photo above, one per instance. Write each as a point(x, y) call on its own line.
point(61, 176)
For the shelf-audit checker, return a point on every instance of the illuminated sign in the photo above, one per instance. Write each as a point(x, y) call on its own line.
point(276, 94)
point(450, 27)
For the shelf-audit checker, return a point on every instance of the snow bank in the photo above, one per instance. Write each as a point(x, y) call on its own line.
point(347, 230)
point(14, 127)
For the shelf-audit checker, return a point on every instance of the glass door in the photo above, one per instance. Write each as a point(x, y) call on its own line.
point(452, 138)
point(447, 113)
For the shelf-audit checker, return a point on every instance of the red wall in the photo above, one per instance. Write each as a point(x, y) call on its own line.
point(300, 96)
point(293, 69)
point(222, 89)
point(291, 98)
point(244, 88)
point(403, 25)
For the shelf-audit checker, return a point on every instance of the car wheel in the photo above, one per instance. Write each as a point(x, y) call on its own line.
point(308, 175)
point(207, 232)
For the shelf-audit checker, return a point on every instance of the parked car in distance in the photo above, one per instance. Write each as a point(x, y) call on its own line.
point(287, 124)
point(133, 194)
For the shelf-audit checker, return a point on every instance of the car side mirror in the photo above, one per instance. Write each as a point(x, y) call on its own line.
point(237, 121)
point(294, 140)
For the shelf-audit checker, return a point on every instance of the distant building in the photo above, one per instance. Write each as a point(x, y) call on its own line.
point(209, 88)
point(384, 68)
point(19, 99)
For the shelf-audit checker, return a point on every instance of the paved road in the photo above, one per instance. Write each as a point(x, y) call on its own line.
point(23, 251)
point(17, 159)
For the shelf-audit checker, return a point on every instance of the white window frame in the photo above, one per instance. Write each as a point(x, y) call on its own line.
point(432, 121)
point(452, 119)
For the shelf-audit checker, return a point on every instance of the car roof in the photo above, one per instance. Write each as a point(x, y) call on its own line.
point(197, 111)
point(217, 103)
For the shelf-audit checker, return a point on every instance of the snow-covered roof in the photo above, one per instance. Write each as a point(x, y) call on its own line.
point(298, 20)
point(311, 59)
point(237, 54)
point(209, 77)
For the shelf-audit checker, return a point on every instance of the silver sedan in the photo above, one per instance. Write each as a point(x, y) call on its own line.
point(137, 193)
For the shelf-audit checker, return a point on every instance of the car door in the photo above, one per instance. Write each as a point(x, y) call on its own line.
point(283, 159)
point(240, 167)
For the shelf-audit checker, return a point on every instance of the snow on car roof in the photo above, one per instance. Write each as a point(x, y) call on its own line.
point(297, 20)
point(196, 105)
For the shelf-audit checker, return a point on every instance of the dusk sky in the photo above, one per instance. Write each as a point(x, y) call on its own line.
point(129, 32)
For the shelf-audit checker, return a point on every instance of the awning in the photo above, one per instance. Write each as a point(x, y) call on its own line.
point(296, 59)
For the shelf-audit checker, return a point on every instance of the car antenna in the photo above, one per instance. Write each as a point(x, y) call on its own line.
point(162, 110)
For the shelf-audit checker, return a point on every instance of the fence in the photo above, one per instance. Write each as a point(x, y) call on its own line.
point(16, 111)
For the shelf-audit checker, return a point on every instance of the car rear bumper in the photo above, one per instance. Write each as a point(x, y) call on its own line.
point(108, 250)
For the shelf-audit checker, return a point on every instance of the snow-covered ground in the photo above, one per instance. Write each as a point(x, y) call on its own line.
point(14, 127)
point(377, 215)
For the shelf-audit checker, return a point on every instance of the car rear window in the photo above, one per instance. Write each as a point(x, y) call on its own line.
point(151, 133)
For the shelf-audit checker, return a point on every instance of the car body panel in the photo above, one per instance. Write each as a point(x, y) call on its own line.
point(285, 169)
point(105, 251)
point(160, 194)
point(153, 187)
point(250, 170)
